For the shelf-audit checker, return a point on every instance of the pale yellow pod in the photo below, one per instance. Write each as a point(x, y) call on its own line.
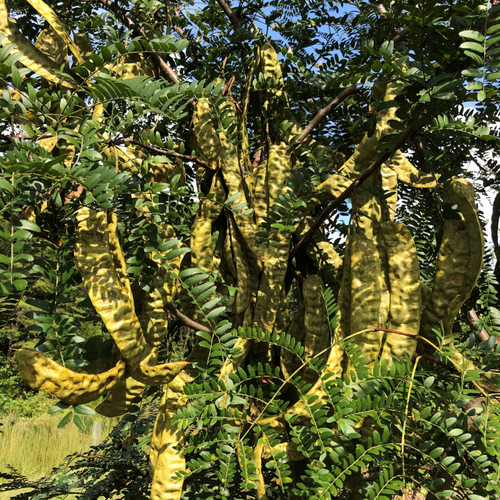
point(288, 362)
point(167, 458)
point(366, 289)
point(32, 58)
point(51, 17)
point(52, 45)
point(96, 257)
point(404, 283)
point(409, 174)
point(205, 132)
point(316, 325)
point(42, 373)
point(334, 186)
point(460, 260)
point(261, 484)
point(121, 397)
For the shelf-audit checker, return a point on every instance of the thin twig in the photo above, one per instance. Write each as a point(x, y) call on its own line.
point(190, 323)
point(322, 113)
point(167, 153)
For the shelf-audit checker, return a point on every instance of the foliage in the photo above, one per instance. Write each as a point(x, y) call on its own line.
point(161, 201)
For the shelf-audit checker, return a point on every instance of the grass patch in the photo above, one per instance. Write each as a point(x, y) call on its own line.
point(35, 446)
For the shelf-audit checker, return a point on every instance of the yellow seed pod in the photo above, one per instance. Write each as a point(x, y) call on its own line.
point(166, 459)
point(366, 289)
point(31, 57)
point(82, 41)
point(57, 26)
point(333, 370)
point(344, 297)
point(108, 288)
point(261, 484)
point(42, 373)
point(404, 283)
point(288, 362)
point(133, 65)
point(121, 397)
point(409, 174)
point(460, 260)
point(334, 186)
point(367, 211)
point(269, 63)
point(52, 45)
point(207, 140)
point(316, 325)
point(389, 181)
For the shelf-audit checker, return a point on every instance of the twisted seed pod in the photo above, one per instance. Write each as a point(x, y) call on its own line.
point(366, 289)
point(459, 261)
point(409, 174)
point(100, 262)
point(31, 57)
point(121, 397)
point(404, 283)
point(42, 373)
point(344, 297)
point(367, 210)
point(366, 152)
point(270, 66)
point(57, 26)
point(165, 458)
point(52, 45)
point(316, 326)
point(261, 484)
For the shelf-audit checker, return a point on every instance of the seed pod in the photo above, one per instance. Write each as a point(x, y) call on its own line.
point(366, 288)
point(459, 261)
point(166, 459)
point(389, 182)
point(121, 397)
point(52, 45)
point(99, 260)
point(288, 362)
point(207, 139)
point(366, 151)
point(335, 185)
point(333, 370)
point(261, 484)
point(57, 26)
point(316, 325)
point(344, 297)
point(42, 373)
point(404, 284)
point(409, 174)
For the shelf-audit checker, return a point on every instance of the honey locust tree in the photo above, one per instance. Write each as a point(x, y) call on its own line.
point(268, 212)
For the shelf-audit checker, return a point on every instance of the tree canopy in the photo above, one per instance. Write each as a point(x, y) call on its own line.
point(253, 231)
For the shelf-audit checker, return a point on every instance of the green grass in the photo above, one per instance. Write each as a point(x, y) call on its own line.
point(34, 446)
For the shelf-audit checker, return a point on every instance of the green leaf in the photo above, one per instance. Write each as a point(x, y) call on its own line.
point(79, 422)
point(472, 35)
point(476, 47)
point(65, 420)
point(84, 410)
point(58, 407)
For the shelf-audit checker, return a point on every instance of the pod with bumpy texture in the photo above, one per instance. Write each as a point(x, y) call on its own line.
point(100, 263)
point(459, 261)
point(404, 284)
point(366, 288)
point(121, 397)
point(42, 373)
point(166, 459)
point(316, 325)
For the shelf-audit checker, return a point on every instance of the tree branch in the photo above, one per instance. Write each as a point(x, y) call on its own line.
point(190, 323)
point(320, 115)
point(167, 153)
point(349, 190)
point(235, 20)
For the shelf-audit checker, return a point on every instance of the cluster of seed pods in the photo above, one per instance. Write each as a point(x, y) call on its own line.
point(380, 277)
